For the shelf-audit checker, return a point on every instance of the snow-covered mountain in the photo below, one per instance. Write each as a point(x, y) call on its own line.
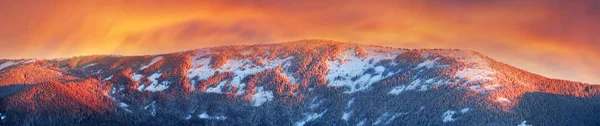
point(309, 82)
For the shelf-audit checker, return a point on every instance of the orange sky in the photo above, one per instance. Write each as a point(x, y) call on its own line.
point(558, 39)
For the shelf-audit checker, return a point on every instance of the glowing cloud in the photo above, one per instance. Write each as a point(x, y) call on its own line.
point(554, 38)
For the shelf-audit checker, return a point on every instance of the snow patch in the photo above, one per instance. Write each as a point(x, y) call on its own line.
point(314, 104)
point(240, 68)
point(7, 64)
point(349, 103)
point(30, 61)
point(154, 85)
point(465, 110)
point(350, 70)
point(158, 87)
point(503, 100)
point(188, 117)
point(290, 76)
point(89, 65)
point(397, 90)
point(485, 87)
point(524, 123)
point(447, 117)
point(246, 67)
point(113, 90)
point(492, 87)
point(241, 90)
point(424, 88)
point(478, 68)
point(206, 116)
point(412, 86)
point(153, 106)
point(151, 62)
point(136, 77)
point(361, 123)
point(427, 64)
point(474, 87)
point(387, 117)
point(124, 107)
point(429, 80)
point(201, 69)
point(216, 89)
point(309, 117)
point(261, 96)
point(476, 74)
point(439, 82)
point(108, 78)
point(393, 117)
point(346, 115)
point(140, 87)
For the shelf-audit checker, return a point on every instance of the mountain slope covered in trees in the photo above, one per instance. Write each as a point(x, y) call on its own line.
point(309, 82)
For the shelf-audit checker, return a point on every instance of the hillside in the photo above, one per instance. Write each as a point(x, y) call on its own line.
point(309, 82)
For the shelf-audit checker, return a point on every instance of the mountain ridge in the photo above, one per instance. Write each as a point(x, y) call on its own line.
point(308, 41)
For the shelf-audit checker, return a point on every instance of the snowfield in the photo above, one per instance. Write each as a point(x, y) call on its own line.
point(348, 66)
point(151, 63)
